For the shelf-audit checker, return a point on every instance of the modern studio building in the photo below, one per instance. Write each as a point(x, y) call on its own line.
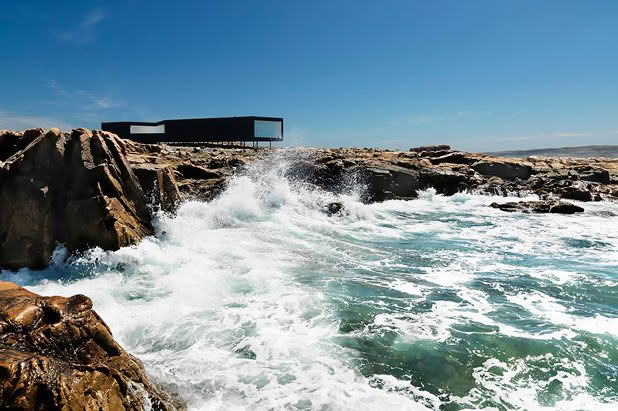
point(197, 131)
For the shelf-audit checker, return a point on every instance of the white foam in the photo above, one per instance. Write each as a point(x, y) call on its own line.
point(228, 301)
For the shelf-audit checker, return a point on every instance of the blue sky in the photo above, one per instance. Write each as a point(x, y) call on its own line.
point(479, 75)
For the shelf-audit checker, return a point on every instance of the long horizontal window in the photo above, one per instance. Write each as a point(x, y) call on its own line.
point(267, 129)
point(148, 129)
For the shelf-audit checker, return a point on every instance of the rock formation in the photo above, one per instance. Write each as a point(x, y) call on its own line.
point(543, 206)
point(93, 189)
point(202, 173)
point(75, 189)
point(57, 353)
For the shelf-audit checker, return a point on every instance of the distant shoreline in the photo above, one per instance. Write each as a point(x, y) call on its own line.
point(607, 151)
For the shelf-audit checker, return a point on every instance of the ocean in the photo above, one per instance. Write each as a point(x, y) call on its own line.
point(259, 300)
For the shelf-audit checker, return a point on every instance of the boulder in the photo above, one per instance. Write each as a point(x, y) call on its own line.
point(578, 190)
point(159, 184)
point(57, 353)
point(390, 182)
point(595, 175)
point(445, 181)
point(456, 157)
point(333, 208)
point(503, 169)
point(542, 206)
point(75, 189)
point(191, 171)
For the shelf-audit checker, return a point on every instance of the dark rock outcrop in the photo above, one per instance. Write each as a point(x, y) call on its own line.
point(159, 184)
point(75, 189)
point(503, 169)
point(57, 353)
point(554, 207)
point(391, 182)
point(333, 208)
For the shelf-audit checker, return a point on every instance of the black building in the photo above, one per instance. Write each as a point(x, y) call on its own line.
point(197, 131)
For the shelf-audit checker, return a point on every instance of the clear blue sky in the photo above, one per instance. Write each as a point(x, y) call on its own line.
point(480, 75)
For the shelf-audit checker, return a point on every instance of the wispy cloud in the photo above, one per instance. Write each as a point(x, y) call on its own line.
point(85, 30)
point(90, 100)
point(16, 121)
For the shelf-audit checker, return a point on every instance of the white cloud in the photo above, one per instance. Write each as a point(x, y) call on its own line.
point(84, 32)
point(14, 121)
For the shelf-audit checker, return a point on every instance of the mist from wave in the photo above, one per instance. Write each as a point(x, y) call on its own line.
point(259, 300)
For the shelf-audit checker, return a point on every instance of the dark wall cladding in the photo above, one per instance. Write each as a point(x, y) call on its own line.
point(200, 130)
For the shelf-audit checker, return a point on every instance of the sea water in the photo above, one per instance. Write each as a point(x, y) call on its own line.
point(259, 300)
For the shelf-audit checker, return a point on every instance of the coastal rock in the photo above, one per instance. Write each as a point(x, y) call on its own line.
point(453, 158)
point(159, 184)
point(380, 171)
point(595, 175)
point(333, 208)
point(555, 207)
point(502, 169)
point(385, 183)
point(196, 172)
point(445, 181)
point(57, 353)
point(75, 189)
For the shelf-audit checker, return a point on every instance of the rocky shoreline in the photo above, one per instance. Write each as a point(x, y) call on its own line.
point(88, 189)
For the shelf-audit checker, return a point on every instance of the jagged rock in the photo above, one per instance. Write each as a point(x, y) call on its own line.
point(392, 182)
point(445, 181)
point(318, 174)
point(453, 158)
point(503, 169)
point(543, 206)
point(57, 353)
point(435, 166)
point(76, 189)
point(159, 184)
point(576, 191)
point(196, 172)
point(595, 175)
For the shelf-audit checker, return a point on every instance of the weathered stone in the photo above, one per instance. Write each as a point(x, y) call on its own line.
point(57, 353)
point(196, 172)
point(554, 207)
point(595, 175)
point(392, 182)
point(453, 158)
point(445, 181)
point(502, 169)
point(77, 190)
point(159, 184)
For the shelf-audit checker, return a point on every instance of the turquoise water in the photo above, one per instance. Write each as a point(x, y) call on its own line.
point(258, 300)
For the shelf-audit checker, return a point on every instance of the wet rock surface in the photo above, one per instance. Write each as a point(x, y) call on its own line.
point(84, 189)
point(539, 207)
point(57, 353)
point(202, 173)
